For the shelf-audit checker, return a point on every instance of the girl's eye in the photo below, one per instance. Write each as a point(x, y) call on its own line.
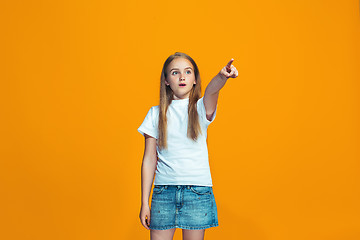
point(188, 71)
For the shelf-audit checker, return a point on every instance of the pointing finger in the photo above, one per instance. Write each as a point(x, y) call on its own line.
point(229, 63)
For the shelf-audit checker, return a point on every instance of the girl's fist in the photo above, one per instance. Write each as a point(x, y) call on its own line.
point(229, 70)
point(145, 212)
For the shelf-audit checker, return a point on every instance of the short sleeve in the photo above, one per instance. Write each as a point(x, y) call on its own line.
point(149, 125)
point(202, 112)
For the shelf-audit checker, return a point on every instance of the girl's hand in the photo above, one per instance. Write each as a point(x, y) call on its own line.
point(229, 70)
point(145, 212)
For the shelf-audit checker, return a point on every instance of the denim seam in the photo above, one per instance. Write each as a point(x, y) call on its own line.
point(186, 227)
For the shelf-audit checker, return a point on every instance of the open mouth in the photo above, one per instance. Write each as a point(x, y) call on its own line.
point(182, 85)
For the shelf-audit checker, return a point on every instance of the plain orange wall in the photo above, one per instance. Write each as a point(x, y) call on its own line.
point(78, 77)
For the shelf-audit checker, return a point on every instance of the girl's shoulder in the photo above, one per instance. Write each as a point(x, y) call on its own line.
point(154, 111)
point(200, 102)
point(155, 108)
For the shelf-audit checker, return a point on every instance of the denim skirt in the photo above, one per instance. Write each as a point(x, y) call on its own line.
point(183, 206)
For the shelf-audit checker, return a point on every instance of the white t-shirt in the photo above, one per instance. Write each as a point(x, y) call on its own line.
point(184, 162)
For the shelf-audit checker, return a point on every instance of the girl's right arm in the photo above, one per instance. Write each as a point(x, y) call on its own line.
point(148, 168)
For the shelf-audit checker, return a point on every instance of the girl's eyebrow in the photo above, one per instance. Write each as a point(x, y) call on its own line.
point(178, 69)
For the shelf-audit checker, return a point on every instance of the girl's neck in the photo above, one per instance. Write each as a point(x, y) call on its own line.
point(184, 101)
point(181, 99)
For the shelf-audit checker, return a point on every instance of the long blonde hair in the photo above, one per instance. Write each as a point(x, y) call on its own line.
point(166, 96)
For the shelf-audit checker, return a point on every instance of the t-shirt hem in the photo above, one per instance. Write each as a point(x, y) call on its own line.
point(186, 184)
point(142, 131)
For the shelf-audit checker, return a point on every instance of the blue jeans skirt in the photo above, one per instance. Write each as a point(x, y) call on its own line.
point(183, 206)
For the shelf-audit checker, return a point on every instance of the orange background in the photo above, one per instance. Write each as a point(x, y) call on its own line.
point(78, 77)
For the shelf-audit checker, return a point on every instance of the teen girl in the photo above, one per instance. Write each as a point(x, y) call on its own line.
point(175, 134)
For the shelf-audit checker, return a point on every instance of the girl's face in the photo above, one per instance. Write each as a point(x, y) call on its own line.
point(180, 77)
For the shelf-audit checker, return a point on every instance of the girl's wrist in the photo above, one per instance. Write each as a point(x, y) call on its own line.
point(224, 78)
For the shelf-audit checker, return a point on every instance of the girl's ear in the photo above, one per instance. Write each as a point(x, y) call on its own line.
point(166, 83)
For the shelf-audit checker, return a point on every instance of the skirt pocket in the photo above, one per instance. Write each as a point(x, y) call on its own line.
point(158, 189)
point(201, 190)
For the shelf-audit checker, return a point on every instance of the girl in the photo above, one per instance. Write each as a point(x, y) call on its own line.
point(175, 134)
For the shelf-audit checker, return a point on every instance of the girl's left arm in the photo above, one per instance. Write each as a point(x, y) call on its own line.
point(213, 88)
